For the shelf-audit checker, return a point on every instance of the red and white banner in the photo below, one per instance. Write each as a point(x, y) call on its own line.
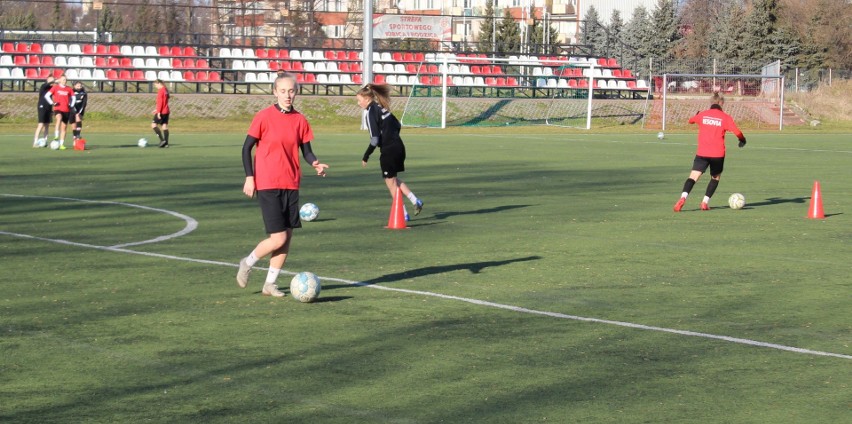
point(412, 26)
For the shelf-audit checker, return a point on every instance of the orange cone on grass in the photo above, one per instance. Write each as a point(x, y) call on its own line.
point(815, 210)
point(396, 220)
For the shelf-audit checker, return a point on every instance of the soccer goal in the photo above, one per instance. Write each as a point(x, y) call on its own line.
point(754, 101)
point(474, 90)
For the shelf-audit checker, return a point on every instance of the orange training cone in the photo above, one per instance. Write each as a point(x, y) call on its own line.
point(396, 220)
point(815, 210)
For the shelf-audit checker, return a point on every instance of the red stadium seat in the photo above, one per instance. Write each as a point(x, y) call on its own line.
point(189, 75)
point(101, 49)
point(379, 79)
point(177, 63)
point(126, 62)
point(32, 73)
point(164, 51)
point(47, 61)
point(125, 75)
point(297, 66)
point(272, 54)
point(355, 67)
point(43, 73)
point(340, 56)
point(20, 61)
point(177, 51)
point(34, 60)
point(201, 76)
point(310, 78)
point(35, 48)
point(627, 73)
point(214, 77)
point(113, 62)
point(88, 49)
point(202, 64)
point(432, 69)
point(491, 81)
point(189, 51)
point(57, 72)
point(616, 73)
point(330, 54)
point(300, 78)
point(497, 70)
point(601, 61)
point(612, 62)
point(343, 67)
point(285, 65)
point(357, 79)
point(476, 70)
point(283, 54)
point(352, 55)
point(419, 57)
point(396, 56)
point(100, 62)
point(112, 74)
point(8, 47)
point(114, 49)
point(572, 83)
point(631, 84)
point(408, 57)
point(411, 68)
point(261, 53)
point(512, 82)
point(22, 48)
point(274, 66)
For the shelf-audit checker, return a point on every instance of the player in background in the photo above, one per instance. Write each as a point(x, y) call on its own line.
point(45, 112)
point(278, 133)
point(384, 133)
point(712, 125)
point(61, 97)
point(160, 124)
point(81, 99)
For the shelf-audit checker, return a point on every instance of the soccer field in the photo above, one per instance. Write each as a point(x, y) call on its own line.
point(547, 280)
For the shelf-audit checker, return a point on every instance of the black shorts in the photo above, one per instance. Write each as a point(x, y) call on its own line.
point(280, 209)
point(392, 161)
point(45, 114)
point(163, 119)
point(716, 165)
point(65, 117)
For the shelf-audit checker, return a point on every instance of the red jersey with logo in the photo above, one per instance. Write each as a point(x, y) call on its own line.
point(712, 124)
point(162, 101)
point(276, 158)
point(61, 96)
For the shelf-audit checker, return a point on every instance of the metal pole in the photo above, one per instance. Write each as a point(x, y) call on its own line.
point(781, 117)
point(444, 93)
point(665, 89)
point(367, 72)
point(591, 94)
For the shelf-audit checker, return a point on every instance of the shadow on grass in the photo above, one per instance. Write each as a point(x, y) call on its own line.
point(776, 201)
point(473, 267)
point(445, 215)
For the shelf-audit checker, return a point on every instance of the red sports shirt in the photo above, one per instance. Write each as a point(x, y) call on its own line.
point(712, 124)
point(61, 96)
point(162, 101)
point(276, 158)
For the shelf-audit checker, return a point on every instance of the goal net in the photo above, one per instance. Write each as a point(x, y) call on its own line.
point(754, 101)
point(473, 90)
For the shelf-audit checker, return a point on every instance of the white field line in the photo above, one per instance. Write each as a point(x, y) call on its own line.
point(119, 249)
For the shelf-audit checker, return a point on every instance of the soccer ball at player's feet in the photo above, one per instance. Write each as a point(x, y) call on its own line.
point(660, 135)
point(305, 287)
point(736, 201)
point(54, 145)
point(142, 142)
point(309, 212)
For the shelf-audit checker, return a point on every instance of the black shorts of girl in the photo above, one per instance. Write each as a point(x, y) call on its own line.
point(163, 119)
point(701, 163)
point(280, 210)
point(392, 161)
point(45, 114)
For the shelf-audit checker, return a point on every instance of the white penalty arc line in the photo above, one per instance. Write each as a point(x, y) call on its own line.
point(191, 224)
point(749, 342)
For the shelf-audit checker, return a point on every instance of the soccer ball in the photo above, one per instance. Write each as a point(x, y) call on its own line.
point(42, 142)
point(305, 287)
point(54, 145)
point(736, 201)
point(309, 212)
point(660, 135)
point(142, 142)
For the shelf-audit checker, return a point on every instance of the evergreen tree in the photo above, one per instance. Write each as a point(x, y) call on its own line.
point(637, 40)
point(508, 34)
point(615, 30)
point(109, 20)
point(19, 21)
point(726, 43)
point(759, 35)
point(592, 31)
point(486, 28)
point(544, 39)
point(666, 32)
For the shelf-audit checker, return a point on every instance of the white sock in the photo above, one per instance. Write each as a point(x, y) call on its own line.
point(56, 134)
point(706, 199)
point(412, 197)
point(272, 275)
point(251, 259)
point(684, 195)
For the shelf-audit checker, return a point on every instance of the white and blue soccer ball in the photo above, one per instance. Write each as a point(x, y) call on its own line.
point(42, 142)
point(661, 135)
point(305, 287)
point(54, 145)
point(736, 201)
point(142, 142)
point(309, 212)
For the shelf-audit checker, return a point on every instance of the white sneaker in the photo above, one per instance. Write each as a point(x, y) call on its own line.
point(243, 274)
point(271, 289)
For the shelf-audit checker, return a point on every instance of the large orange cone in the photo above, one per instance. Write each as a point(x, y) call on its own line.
point(815, 209)
point(396, 220)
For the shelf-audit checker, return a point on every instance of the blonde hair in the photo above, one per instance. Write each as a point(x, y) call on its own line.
point(378, 92)
point(717, 98)
point(285, 75)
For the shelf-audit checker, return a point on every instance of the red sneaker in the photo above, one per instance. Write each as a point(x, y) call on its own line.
point(705, 206)
point(679, 205)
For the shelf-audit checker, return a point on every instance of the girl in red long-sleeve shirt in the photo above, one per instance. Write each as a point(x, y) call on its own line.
point(161, 114)
point(712, 125)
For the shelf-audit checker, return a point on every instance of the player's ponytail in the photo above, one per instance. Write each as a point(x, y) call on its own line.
point(717, 98)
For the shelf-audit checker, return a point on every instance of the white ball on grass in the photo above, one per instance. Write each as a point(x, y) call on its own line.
point(305, 287)
point(736, 201)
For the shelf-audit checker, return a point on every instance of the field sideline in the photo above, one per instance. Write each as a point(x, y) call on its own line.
point(525, 291)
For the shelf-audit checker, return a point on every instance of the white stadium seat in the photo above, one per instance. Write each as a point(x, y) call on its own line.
point(126, 50)
point(138, 51)
point(75, 49)
point(151, 51)
point(150, 75)
point(72, 74)
point(74, 62)
point(98, 74)
point(60, 62)
point(86, 74)
point(5, 73)
point(151, 63)
point(48, 48)
point(87, 62)
point(138, 62)
point(224, 52)
point(17, 73)
point(251, 77)
point(61, 49)
point(164, 63)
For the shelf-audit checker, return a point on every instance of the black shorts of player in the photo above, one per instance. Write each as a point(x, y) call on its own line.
point(701, 164)
point(280, 209)
point(163, 119)
point(45, 114)
point(392, 161)
point(65, 117)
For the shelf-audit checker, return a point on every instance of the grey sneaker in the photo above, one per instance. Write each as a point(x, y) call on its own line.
point(243, 274)
point(418, 207)
point(271, 289)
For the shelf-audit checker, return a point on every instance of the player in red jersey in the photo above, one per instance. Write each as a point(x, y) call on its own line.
point(712, 125)
point(62, 99)
point(161, 114)
point(278, 133)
